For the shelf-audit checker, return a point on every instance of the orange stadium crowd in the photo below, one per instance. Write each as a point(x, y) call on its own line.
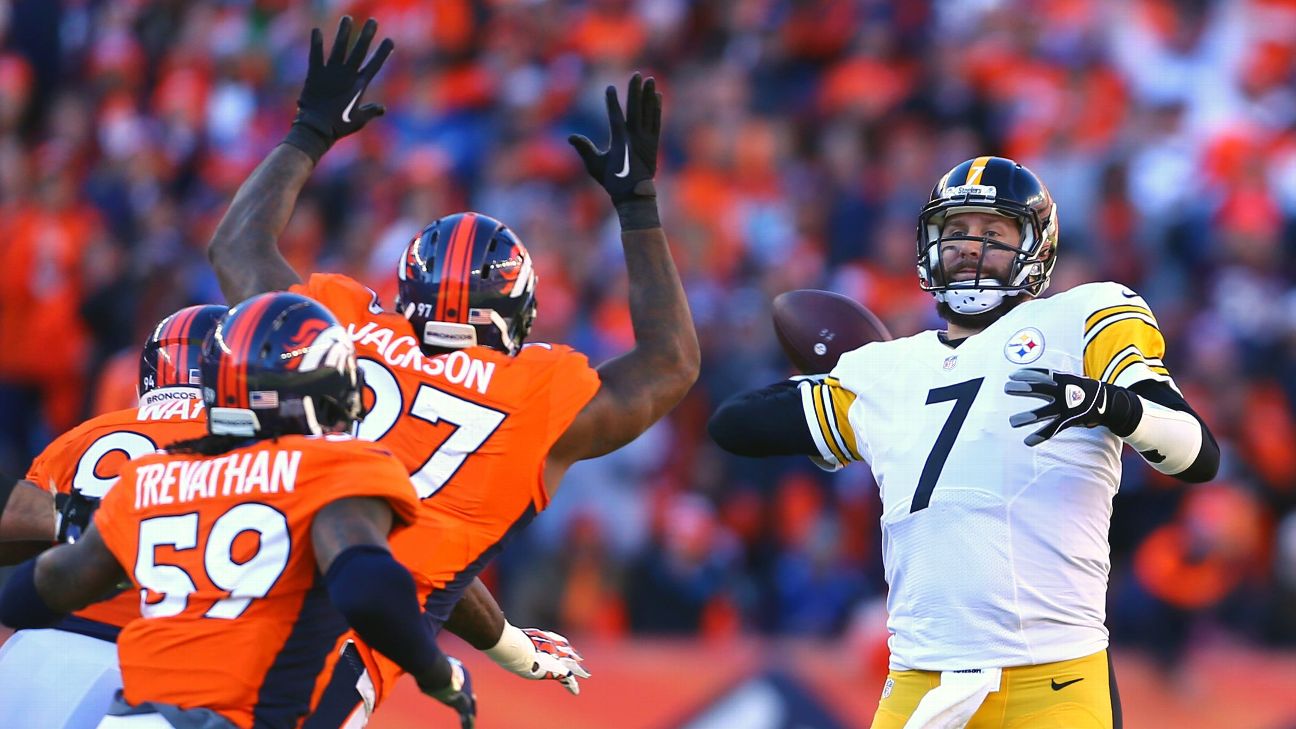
point(801, 140)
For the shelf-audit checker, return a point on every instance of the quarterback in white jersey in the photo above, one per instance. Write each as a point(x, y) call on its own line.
point(994, 534)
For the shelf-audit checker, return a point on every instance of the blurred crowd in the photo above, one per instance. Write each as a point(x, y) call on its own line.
point(801, 139)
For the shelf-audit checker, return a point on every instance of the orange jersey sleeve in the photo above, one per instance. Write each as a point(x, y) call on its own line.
point(90, 456)
point(235, 615)
point(351, 302)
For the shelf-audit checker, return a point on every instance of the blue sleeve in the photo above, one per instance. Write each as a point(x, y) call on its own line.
point(376, 595)
point(21, 605)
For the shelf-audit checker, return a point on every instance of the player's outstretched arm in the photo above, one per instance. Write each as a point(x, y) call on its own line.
point(530, 653)
point(765, 422)
point(244, 249)
point(41, 591)
point(376, 595)
point(27, 511)
point(642, 385)
point(27, 520)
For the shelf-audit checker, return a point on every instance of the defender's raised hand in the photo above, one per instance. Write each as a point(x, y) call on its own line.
point(329, 106)
point(627, 167)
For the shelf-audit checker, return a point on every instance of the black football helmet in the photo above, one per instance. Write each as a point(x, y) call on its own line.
point(467, 280)
point(1004, 187)
point(280, 364)
point(172, 355)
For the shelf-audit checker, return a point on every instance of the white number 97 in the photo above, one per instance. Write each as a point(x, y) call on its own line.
point(473, 424)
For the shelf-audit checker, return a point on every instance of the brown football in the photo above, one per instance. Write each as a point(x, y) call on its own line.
point(817, 327)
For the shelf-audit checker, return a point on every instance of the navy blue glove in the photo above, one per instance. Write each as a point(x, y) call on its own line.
point(458, 695)
point(75, 512)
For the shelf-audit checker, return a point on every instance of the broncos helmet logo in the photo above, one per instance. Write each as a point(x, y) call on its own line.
point(316, 344)
point(332, 349)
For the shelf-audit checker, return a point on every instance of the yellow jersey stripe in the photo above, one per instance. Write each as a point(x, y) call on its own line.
point(825, 426)
point(1111, 345)
point(1111, 319)
point(976, 169)
point(1116, 359)
point(842, 400)
point(1130, 359)
point(1097, 317)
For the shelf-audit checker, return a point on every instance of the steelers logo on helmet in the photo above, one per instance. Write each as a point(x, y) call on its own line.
point(467, 280)
point(280, 364)
point(1002, 187)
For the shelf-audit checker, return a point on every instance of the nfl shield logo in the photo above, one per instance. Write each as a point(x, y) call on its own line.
point(950, 361)
point(1024, 347)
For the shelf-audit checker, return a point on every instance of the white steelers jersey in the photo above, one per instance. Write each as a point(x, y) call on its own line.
point(996, 553)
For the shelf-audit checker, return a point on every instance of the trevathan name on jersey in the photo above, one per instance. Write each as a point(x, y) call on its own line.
point(974, 511)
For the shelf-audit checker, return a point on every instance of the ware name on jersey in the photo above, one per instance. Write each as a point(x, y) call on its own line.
point(473, 427)
point(236, 617)
point(90, 456)
point(996, 553)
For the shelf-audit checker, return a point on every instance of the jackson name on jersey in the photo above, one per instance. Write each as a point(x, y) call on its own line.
point(996, 553)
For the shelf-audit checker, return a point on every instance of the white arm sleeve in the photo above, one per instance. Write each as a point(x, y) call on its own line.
point(1169, 440)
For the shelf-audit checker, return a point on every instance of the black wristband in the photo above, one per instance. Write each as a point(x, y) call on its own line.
point(639, 214)
point(308, 140)
point(1124, 411)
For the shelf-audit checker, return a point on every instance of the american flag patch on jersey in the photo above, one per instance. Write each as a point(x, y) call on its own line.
point(263, 399)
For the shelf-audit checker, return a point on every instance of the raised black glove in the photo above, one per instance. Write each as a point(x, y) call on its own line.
point(326, 109)
point(75, 512)
point(1071, 401)
point(627, 167)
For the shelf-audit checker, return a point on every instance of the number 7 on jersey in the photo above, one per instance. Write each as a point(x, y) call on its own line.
point(962, 394)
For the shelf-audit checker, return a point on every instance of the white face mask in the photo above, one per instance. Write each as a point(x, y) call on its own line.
point(965, 298)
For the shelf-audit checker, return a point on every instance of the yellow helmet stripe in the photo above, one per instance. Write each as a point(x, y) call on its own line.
point(976, 169)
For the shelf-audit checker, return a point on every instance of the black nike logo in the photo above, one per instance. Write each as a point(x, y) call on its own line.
point(1059, 686)
point(1129, 294)
point(1152, 456)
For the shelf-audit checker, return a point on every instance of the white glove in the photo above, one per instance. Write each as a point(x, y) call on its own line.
point(539, 655)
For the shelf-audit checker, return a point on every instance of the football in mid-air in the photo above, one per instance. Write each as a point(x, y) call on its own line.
point(817, 327)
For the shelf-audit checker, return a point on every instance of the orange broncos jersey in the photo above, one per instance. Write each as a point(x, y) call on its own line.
point(473, 427)
point(236, 617)
point(89, 457)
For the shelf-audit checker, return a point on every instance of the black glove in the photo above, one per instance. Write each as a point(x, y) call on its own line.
point(76, 511)
point(326, 109)
point(458, 695)
point(627, 168)
point(1071, 401)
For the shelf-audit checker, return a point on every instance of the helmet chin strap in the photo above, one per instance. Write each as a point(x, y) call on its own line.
point(965, 298)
